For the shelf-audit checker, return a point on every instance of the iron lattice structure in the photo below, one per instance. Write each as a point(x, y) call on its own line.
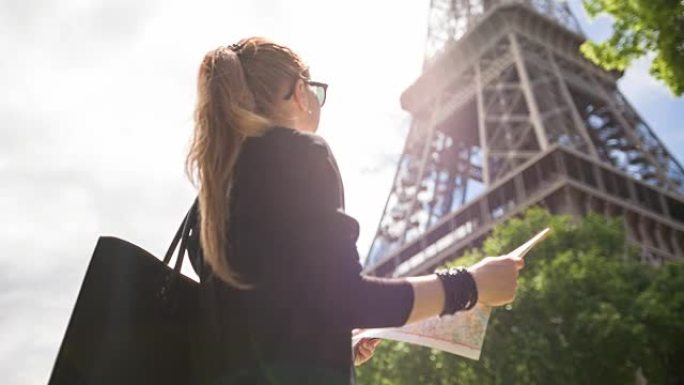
point(508, 114)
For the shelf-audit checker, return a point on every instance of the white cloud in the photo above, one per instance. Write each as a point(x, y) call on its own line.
point(97, 116)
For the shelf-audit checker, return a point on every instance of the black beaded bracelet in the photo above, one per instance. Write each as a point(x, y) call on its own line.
point(460, 290)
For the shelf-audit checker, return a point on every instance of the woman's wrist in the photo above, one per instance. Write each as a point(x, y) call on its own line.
point(428, 298)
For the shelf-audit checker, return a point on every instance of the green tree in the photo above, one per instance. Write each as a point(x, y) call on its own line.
point(586, 312)
point(641, 27)
point(662, 306)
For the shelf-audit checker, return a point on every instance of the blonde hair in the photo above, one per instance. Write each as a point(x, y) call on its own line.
point(238, 88)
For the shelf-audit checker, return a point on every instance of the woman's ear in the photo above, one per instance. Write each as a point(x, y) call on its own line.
point(302, 97)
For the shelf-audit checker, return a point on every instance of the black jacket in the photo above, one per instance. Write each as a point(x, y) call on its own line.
point(289, 234)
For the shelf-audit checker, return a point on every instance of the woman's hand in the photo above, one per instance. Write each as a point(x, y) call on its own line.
point(496, 279)
point(363, 350)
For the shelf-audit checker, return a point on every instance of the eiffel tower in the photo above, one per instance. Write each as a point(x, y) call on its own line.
point(508, 114)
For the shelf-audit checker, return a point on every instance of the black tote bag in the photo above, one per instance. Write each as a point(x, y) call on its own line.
point(133, 318)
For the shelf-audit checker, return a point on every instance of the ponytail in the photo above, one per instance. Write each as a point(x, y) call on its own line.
point(223, 117)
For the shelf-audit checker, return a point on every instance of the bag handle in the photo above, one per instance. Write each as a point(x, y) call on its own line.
point(182, 235)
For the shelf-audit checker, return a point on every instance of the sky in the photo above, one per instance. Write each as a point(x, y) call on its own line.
point(96, 116)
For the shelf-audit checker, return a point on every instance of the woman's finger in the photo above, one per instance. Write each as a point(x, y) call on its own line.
point(371, 344)
point(365, 348)
point(361, 357)
point(519, 263)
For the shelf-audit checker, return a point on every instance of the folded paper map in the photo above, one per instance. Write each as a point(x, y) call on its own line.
point(461, 333)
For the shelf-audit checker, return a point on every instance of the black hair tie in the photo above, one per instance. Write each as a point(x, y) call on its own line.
point(236, 47)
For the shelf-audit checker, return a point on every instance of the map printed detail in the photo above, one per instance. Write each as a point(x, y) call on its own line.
point(461, 333)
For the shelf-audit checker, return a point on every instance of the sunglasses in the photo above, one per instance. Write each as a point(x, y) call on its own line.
point(319, 89)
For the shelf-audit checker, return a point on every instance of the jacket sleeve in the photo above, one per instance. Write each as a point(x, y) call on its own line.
point(323, 239)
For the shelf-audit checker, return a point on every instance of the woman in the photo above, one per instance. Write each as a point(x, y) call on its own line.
point(281, 284)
